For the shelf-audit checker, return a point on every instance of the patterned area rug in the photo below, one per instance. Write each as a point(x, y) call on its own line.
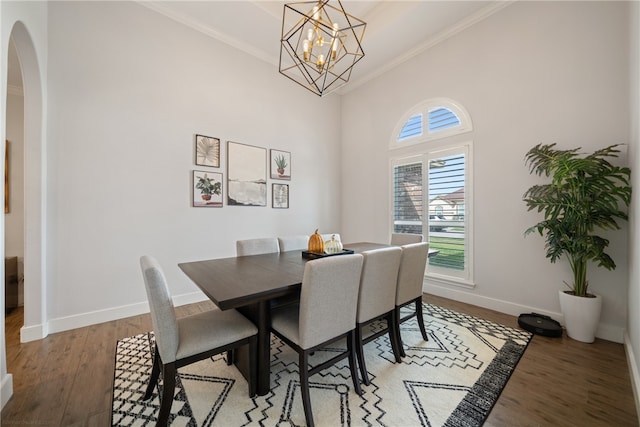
point(454, 379)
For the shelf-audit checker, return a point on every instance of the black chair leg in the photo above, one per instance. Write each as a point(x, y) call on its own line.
point(304, 387)
point(423, 330)
point(351, 344)
point(230, 354)
point(398, 336)
point(393, 338)
point(360, 354)
point(169, 385)
point(155, 373)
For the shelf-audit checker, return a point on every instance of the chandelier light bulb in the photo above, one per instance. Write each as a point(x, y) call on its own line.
point(305, 49)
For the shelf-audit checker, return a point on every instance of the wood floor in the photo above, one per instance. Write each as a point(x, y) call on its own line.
point(66, 379)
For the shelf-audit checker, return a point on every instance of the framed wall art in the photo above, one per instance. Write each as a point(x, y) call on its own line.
point(280, 195)
point(207, 151)
point(246, 175)
point(207, 189)
point(280, 165)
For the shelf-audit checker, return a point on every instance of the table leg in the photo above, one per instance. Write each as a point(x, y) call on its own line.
point(259, 314)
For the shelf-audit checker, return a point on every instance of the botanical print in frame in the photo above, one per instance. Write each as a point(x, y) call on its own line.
point(207, 151)
point(207, 189)
point(280, 165)
point(280, 195)
point(246, 175)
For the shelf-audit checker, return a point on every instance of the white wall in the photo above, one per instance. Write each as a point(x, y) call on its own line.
point(128, 89)
point(535, 72)
point(632, 337)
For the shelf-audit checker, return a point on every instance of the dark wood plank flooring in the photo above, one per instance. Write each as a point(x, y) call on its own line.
point(66, 379)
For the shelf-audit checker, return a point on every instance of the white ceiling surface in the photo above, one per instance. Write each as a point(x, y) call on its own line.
point(396, 30)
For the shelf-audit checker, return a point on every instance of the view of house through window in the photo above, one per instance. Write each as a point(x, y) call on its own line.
point(431, 194)
point(446, 210)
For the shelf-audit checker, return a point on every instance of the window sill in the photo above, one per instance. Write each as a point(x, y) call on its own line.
point(449, 281)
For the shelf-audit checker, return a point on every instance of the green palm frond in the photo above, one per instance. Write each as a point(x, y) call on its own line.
point(586, 193)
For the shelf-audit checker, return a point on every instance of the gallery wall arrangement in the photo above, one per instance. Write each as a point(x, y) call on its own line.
point(246, 175)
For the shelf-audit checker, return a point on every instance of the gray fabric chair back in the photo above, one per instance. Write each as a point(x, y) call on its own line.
point(293, 243)
point(328, 298)
point(411, 274)
point(378, 281)
point(257, 246)
point(163, 316)
point(399, 239)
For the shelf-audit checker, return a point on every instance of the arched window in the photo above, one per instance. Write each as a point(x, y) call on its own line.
point(431, 186)
point(444, 118)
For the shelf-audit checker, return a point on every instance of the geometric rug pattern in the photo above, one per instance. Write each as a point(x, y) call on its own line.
point(453, 379)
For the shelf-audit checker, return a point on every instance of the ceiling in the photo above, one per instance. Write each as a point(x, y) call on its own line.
point(396, 30)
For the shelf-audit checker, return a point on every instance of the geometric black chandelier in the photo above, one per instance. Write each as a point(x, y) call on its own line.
point(320, 44)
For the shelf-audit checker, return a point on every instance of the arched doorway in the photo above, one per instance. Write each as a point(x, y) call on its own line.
point(34, 194)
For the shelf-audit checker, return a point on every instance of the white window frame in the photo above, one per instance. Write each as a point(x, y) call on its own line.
point(424, 148)
point(424, 108)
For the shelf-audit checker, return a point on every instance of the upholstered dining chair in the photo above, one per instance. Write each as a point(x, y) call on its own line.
point(257, 246)
point(293, 243)
point(409, 289)
point(183, 341)
point(399, 239)
point(326, 313)
point(376, 300)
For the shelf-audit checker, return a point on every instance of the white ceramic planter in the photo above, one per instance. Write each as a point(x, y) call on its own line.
point(581, 316)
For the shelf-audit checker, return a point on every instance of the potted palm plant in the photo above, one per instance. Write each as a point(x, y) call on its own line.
point(586, 195)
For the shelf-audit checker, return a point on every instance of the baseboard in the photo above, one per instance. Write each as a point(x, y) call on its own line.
point(633, 371)
point(61, 324)
point(605, 331)
point(6, 391)
point(190, 298)
point(33, 333)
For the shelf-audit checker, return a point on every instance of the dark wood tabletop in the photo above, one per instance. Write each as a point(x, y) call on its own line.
point(239, 281)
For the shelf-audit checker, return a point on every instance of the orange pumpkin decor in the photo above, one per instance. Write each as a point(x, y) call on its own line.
point(316, 244)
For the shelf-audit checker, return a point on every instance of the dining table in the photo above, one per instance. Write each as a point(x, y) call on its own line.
point(253, 285)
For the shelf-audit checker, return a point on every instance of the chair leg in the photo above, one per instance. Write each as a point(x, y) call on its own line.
point(360, 354)
point(230, 354)
point(393, 338)
point(304, 387)
point(351, 344)
point(155, 372)
point(398, 336)
point(423, 330)
point(169, 385)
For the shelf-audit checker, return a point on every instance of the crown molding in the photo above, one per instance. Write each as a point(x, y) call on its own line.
point(468, 22)
point(353, 84)
point(224, 38)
